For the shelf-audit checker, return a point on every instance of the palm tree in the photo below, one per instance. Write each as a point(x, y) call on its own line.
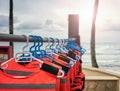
point(93, 53)
point(11, 21)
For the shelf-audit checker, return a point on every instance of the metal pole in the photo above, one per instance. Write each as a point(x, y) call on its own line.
point(20, 38)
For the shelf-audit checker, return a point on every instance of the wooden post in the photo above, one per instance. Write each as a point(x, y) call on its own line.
point(73, 27)
point(73, 30)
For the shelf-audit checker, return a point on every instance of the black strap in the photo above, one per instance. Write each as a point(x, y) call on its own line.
point(27, 86)
point(64, 58)
point(1, 68)
point(63, 80)
point(66, 69)
point(72, 54)
point(49, 68)
point(18, 73)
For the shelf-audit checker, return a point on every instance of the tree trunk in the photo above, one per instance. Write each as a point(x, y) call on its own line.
point(93, 53)
point(11, 22)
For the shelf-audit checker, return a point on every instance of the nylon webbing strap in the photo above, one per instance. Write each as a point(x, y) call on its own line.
point(18, 73)
point(64, 58)
point(27, 86)
point(71, 54)
point(49, 68)
point(1, 68)
point(62, 80)
point(63, 67)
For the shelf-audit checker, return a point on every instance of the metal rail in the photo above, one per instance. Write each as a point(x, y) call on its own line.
point(20, 38)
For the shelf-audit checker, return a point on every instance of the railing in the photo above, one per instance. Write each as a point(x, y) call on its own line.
point(22, 38)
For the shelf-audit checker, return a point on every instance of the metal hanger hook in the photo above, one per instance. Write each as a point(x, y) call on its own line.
point(27, 42)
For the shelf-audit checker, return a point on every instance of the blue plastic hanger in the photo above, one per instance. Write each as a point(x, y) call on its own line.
point(58, 46)
point(45, 54)
point(37, 52)
point(52, 44)
point(73, 45)
point(34, 45)
point(64, 47)
point(26, 55)
point(37, 46)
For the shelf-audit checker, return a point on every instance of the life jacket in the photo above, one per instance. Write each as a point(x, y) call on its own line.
point(79, 83)
point(27, 77)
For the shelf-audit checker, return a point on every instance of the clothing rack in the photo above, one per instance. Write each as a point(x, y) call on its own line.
point(22, 38)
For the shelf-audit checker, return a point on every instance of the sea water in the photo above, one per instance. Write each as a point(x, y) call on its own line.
point(107, 54)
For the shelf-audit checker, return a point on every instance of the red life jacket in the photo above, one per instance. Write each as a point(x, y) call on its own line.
point(28, 77)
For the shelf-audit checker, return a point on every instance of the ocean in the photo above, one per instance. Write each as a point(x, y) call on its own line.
point(107, 55)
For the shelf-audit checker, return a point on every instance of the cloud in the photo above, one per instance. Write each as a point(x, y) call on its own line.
point(49, 22)
point(47, 25)
point(4, 23)
point(4, 20)
point(45, 28)
point(4, 5)
point(29, 26)
point(108, 24)
point(53, 26)
point(115, 28)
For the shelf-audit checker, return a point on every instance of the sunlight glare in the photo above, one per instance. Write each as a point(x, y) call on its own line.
point(86, 15)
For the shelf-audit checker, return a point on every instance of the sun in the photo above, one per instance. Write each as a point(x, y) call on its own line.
point(86, 15)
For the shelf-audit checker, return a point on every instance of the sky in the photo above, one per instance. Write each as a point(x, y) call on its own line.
point(49, 18)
